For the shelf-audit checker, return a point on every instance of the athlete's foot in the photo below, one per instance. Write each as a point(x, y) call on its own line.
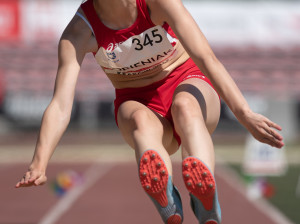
point(201, 184)
point(158, 185)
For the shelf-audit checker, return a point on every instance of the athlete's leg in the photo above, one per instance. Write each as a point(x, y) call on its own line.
point(151, 136)
point(144, 129)
point(196, 111)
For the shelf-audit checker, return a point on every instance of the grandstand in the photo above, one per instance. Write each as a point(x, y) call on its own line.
point(29, 75)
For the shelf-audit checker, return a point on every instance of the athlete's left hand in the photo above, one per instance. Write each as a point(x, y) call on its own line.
point(262, 129)
point(32, 177)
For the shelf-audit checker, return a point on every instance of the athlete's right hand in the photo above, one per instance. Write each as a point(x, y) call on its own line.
point(32, 178)
point(262, 129)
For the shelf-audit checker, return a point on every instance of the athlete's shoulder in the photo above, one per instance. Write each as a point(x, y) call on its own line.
point(80, 34)
point(77, 26)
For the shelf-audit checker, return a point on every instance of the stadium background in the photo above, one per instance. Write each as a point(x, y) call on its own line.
point(257, 41)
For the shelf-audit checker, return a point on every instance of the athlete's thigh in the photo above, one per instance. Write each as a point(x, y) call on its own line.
point(132, 115)
point(204, 96)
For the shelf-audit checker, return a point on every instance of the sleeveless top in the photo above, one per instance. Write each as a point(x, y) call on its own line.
point(139, 51)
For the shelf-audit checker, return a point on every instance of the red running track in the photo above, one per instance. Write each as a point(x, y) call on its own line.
point(113, 195)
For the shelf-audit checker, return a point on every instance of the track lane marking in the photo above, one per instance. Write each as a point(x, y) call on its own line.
point(261, 205)
point(94, 173)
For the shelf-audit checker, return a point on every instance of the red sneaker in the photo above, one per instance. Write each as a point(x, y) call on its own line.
point(201, 184)
point(158, 185)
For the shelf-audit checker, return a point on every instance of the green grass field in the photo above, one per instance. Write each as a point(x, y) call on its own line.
point(285, 196)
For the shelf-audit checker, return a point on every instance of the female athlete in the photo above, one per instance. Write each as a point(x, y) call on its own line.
point(167, 82)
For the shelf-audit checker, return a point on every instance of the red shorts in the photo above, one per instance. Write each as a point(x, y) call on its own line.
point(158, 96)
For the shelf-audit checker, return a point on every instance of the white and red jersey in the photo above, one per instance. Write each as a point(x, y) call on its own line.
point(138, 51)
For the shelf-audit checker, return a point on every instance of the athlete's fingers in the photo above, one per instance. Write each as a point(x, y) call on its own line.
point(21, 182)
point(27, 177)
point(268, 134)
point(18, 184)
point(274, 134)
point(263, 130)
point(273, 125)
point(271, 131)
point(262, 135)
point(40, 181)
point(268, 141)
point(33, 177)
point(275, 142)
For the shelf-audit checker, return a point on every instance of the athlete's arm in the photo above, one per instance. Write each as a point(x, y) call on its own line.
point(195, 43)
point(73, 45)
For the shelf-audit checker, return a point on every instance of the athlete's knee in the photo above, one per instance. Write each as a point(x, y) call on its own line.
point(185, 107)
point(131, 123)
point(144, 125)
point(139, 119)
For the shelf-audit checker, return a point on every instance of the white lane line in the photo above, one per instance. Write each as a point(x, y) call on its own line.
point(232, 179)
point(95, 172)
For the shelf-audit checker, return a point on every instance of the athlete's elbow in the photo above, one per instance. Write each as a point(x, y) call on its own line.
point(62, 111)
point(65, 117)
point(65, 114)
